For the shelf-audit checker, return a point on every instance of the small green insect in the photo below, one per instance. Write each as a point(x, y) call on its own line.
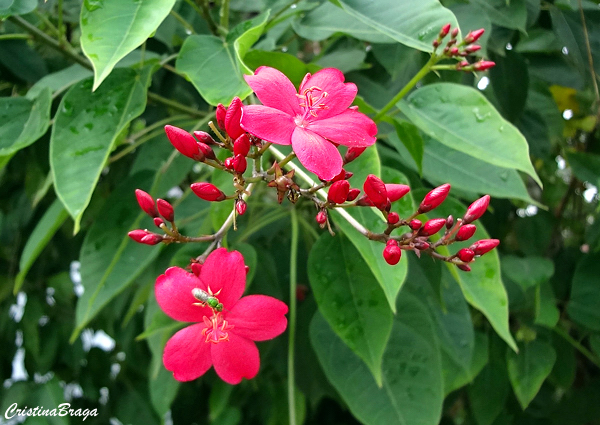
point(207, 299)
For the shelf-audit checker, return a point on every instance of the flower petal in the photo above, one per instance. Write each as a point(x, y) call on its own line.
point(268, 124)
point(316, 154)
point(187, 354)
point(350, 128)
point(226, 272)
point(235, 359)
point(274, 89)
point(340, 95)
point(258, 317)
point(174, 295)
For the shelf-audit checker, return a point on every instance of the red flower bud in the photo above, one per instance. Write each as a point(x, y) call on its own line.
point(415, 224)
point(232, 119)
point(146, 203)
point(145, 237)
point(352, 154)
point(321, 217)
point(473, 36)
point(376, 192)
point(449, 222)
point(184, 142)
point(465, 255)
point(240, 206)
point(483, 65)
point(464, 267)
point(342, 175)
point(454, 33)
point(165, 209)
point(338, 192)
point(465, 232)
point(208, 192)
point(204, 137)
point(460, 65)
point(432, 226)
point(453, 51)
point(393, 218)
point(392, 242)
point(445, 30)
point(220, 114)
point(241, 146)
point(239, 163)
point(228, 163)
point(392, 254)
point(476, 209)
point(421, 245)
point(435, 43)
point(434, 198)
point(352, 194)
point(364, 201)
point(484, 246)
point(158, 221)
point(472, 49)
point(396, 191)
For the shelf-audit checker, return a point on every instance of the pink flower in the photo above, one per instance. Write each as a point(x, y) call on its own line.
point(222, 339)
point(311, 121)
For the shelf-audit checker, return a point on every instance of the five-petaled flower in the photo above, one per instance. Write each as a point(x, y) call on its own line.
point(313, 120)
point(222, 339)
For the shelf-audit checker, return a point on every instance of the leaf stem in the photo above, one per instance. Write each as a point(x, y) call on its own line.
point(224, 15)
point(207, 16)
point(292, 317)
point(189, 28)
point(176, 105)
point(560, 331)
point(418, 76)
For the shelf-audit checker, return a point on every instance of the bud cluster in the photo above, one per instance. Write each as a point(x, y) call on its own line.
point(458, 50)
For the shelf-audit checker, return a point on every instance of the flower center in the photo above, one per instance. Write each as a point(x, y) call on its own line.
point(216, 328)
point(311, 101)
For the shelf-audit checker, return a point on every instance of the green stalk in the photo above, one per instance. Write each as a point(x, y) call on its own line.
point(292, 317)
point(587, 353)
point(61, 26)
point(224, 14)
point(408, 87)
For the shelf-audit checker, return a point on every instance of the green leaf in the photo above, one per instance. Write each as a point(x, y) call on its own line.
point(85, 129)
point(350, 299)
point(390, 278)
point(112, 29)
point(488, 392)
point(50, 222)
point(23, 120)
point(470, 17)
point(482, 286)
point(414, 24)
point(410, 137)
point(546, 312)
point(585, 293)
point(290, 65)
point(16, 7)
point(527, 271)
point(215, 67)
point(412, 391)
point(463, 119)
point(585, 165)
point(110, 260)
point(509, 14)
point(60, 80)
point(529, 368)
point(510, 81)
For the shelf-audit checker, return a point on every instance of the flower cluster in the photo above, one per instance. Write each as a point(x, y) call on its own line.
point(458, 50)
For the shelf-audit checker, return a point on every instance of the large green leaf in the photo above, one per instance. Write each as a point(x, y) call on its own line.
point(482, 286)
point(463, 119)
point(510, 14)
point(529, 368)
point(16, 7)
point(390, 278)
point(110, 260)
point(412, 391)
point(510, 81)
point(585, 293)
point(350, 298)
point(23, 120)
point(50, 222)
point(215, 67)
point(84, 132)
point(112, 29)
point(585, 165)
point(529, 271)
point(488, 392)
point(414, 24)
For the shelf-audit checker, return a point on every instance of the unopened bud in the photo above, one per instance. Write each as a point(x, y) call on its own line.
point(232, 119)
point(241, 146)
point(476, 209)
point(342, 175)
point(375, 190)
point(204, 137)
point(392, 254)
point(393, 242)
point(321, 218)
point(484, 246)
point(208, 192)
point(434, 198)
point(473, 36)
point(415, 224)
point(449, 222)
point(420, 245)
point(483, 65)
point(435, 43)
point(454, 33)
point(240, 206)
point(165, 209)
point(393, 218)
point(220, 114)
point(465, 255)
point(352, 194)
point(465, 232)
point(338, 192)
point(228, 163)
point(146, 203)
point(239, 163)
point(158, 221)
point(431, 227)
point(460, 65)
point(145, 237)
point(464, 267)
point(444, 31)
point(453, 51)
point(352, 154)
point(396, 191)
point(184, 142)
point(473, 48)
